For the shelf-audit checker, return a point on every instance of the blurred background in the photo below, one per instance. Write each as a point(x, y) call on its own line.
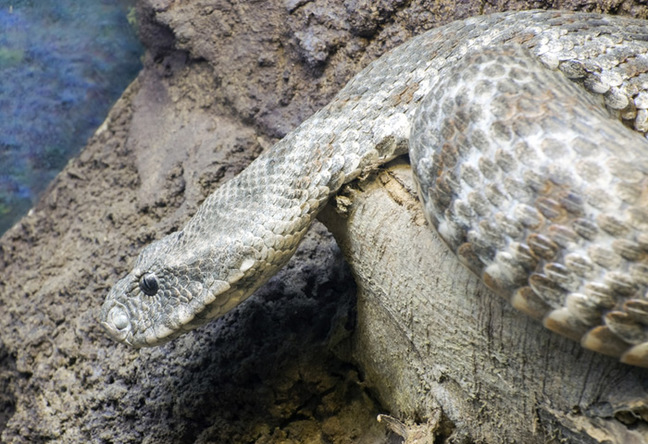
point(63, 63)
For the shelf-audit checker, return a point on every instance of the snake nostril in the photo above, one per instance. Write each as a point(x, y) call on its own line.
point(149, 284)
point(118, 318)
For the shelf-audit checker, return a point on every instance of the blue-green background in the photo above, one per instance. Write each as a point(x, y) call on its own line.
point(63, 63)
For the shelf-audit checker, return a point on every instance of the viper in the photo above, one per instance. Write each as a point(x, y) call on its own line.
point(526, 135)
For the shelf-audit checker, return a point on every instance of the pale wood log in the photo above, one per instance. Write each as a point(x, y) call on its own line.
point(431, 336)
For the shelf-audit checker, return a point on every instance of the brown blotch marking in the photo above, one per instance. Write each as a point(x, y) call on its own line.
point(584, 308)
point(601, 339)
point(604, 257)
point(529, 216)
point(585, 228)
point(528, 302)
point(468, 256)
point(637, 355)
point(635, 65)
point(550, 208)
point(560, 274)
point(548, 290)
point(523, 38)
point(601, 293)
point(442, 193)
point(625, 327)
point(628, 250)
point(637, 309)
point(449, 155)
point(489, 281)
point(562, 235)
point(580, 265)
point(561, 321)
point(440, 199)
point(639, 273)
point(525, 256)
point(612, 225)
point(620, 283)
point(448, 130)
point(542, 246)
point(405, 94)
point(508, 225)
point(462, 120)
point(572, 203)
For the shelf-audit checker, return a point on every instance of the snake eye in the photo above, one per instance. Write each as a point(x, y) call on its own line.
point(149, 284)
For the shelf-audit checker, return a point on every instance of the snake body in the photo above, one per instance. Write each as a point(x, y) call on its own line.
point(526, 135)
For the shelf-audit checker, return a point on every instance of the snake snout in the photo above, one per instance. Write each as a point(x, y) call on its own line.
point(118, 318)
point(116, 322)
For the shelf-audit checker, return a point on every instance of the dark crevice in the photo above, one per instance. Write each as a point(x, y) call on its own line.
point(8, 377)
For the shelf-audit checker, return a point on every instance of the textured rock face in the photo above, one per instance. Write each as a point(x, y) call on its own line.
point(221, 82)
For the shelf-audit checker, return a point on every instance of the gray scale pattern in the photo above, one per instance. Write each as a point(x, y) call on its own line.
point(526, 135)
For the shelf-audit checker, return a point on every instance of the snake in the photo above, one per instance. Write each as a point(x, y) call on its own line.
point(526, 136)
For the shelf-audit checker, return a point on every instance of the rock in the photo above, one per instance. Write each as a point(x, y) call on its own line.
point(221, 82)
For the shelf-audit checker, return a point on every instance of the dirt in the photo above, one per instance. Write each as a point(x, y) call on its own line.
point(222, 81)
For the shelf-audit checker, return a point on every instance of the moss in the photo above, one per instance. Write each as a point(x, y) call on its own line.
point(10, 57)
point(131, 17)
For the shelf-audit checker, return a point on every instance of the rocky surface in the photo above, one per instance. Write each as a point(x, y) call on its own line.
point(222, 80)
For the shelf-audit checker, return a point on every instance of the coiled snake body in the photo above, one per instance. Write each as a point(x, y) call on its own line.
point(525, 133)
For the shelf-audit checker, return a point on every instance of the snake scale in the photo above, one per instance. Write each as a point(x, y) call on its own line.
point(525, 132)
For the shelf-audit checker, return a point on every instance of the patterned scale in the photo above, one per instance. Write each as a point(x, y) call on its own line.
point(542, 194)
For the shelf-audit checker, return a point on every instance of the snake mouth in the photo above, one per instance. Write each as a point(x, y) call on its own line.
point(116, 334)
point(118, 327)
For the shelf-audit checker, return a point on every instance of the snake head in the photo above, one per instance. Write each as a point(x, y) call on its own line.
point(168, 293)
